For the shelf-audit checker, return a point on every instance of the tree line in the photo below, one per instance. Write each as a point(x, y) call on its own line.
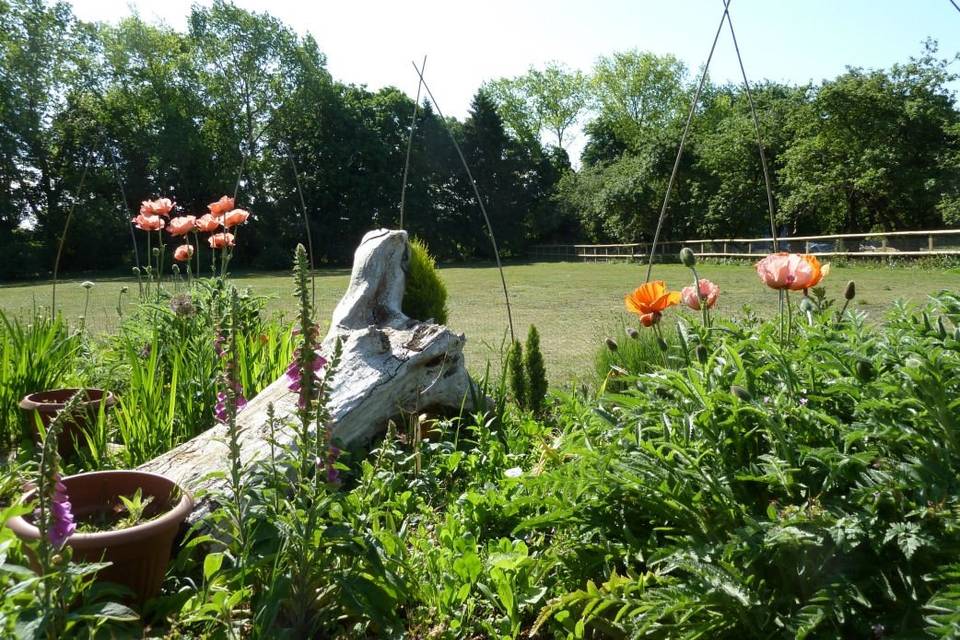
point(96, 117)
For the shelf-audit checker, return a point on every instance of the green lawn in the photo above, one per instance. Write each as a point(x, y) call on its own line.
point(572, 304)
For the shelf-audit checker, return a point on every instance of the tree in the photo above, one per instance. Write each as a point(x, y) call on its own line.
point(639, 92)
point(869, 149)
point(552, 98)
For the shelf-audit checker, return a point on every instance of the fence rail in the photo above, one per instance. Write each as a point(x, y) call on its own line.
point(944, 242)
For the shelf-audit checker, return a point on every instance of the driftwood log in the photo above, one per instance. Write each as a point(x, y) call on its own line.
point(391, 364)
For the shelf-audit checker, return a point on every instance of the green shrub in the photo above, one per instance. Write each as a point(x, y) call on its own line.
point(517, 375)
point(536, 372)
point(425, 296)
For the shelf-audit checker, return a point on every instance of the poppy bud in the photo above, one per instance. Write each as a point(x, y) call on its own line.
point(864, 370)
point(612, 344)
point(688, 257)
point(741, 393)
point(702, 354)
point(633, 333)
point(662, 344)
point(851, 291)
point(136, 271)
point(176, 269)
point(807, 305)
point(156, 252)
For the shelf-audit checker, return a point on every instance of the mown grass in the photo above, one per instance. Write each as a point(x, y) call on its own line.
point(573, 304)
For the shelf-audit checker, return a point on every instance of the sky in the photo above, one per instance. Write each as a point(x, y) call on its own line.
point(467, 43)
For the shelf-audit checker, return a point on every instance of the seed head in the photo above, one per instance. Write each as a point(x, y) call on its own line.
point(688, 257)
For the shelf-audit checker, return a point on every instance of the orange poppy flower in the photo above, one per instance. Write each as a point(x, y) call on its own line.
point(650, 300)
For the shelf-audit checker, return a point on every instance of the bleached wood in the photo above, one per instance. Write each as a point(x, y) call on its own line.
point(390, 364)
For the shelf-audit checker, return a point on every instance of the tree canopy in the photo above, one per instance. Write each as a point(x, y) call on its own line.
point(96, 117)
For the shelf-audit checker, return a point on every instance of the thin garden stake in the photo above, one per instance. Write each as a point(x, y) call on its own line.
point(413, 128)
point(123, 196)
point(683, 139)
point(66, 225)
point(306, 224)
point(476, 192)
point(756, 126)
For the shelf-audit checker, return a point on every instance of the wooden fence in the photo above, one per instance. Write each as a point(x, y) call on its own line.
point(944, 242)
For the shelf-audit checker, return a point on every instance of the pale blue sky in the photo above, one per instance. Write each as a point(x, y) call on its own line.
point(467, 43)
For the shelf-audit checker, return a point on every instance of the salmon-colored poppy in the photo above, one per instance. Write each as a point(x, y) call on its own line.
point(183, 253)
point(791, 271)
point(649, 300)
point(235, 217)
point(220, 240)
point(709, 291)
point(221, 206)
point(158, 207)
point(207, 223)
point(149, 222)
point(181, 226)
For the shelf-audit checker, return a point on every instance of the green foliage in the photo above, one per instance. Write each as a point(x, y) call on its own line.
point(519, 384)
point(37, 353)
point(636, 352)
point(425, 295)
point(536, 372)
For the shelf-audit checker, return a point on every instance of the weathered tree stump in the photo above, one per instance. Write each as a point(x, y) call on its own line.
point(391, 364)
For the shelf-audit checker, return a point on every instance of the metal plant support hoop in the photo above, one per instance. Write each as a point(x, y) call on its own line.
point(686, 129)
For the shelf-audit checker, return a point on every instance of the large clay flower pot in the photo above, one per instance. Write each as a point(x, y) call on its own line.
point(140, 554)
point(49, 403)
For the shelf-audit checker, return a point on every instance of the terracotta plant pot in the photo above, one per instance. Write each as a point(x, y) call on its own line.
point(140, 554)
point(49, 403)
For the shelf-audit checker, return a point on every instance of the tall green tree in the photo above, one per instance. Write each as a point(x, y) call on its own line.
point(870, 149)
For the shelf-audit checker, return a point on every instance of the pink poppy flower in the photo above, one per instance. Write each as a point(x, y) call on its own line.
point(220, 240)
point(149, 222)
point(181, 226)
point(235, 217)
point(159, 207)
point(708, 290)
point(791, 271)
point(221, 206)
point(183, 253)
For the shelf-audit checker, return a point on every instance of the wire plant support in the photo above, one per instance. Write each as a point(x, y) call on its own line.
point(476, 193)
point(413, 129)
point(686, 130)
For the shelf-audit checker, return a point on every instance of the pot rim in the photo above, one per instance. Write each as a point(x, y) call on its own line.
point(177, 514)
point(29, 402)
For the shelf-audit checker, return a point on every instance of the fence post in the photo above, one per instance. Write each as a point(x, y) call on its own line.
point(806, 247)
point(930, 242)
point(724, 247)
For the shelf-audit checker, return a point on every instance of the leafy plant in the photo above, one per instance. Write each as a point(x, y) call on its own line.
point(425, 295)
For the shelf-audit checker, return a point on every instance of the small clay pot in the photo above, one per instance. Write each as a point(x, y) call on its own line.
point(140, 554)
point(49, 403)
